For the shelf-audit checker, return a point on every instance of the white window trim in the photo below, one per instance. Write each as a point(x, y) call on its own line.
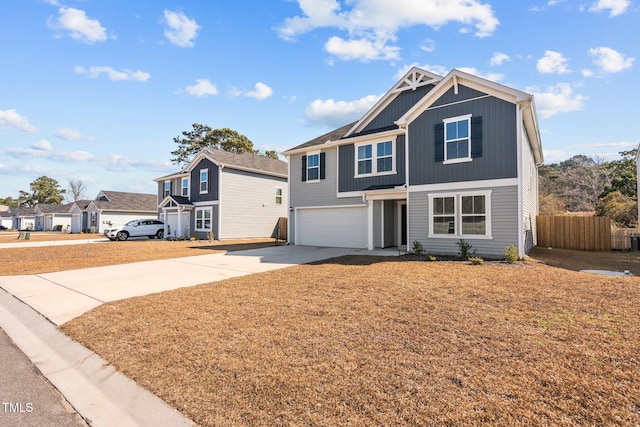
point(203, 209)
point(306, 171)
point(182, 187)
point(448, 161)
point(458, 215)
point(166, 192)
point(201, 181)
point(374, 158)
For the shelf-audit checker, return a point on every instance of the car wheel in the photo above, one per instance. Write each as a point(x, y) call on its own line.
point(122, 236)
point(160, 234)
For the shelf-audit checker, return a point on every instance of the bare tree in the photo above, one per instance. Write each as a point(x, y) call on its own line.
point(76, 189)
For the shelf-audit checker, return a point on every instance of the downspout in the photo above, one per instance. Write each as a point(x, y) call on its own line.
point(521, 230)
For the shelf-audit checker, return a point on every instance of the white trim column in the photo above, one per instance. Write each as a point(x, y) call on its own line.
point(370, 243)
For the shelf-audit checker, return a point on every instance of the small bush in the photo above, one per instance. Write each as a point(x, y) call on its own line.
point(464, 249)
point(429, 257)
point(418, 248)
point(511, 254)
point(474, 260)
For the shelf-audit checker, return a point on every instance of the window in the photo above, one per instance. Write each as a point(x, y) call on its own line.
point(313, 167)
point(375, 158)
point(203, 219)
point(204, 180)
point(93, 219)
point(460, 215)
point(457, 139)
point(167, 188)
point(364, 159)
point(185, 187)
point(278, 195)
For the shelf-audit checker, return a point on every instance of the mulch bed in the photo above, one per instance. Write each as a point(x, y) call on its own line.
point(363, 341)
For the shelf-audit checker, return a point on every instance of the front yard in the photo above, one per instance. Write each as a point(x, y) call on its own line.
point(363, 341)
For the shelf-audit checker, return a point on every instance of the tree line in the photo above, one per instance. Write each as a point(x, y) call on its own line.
point(591, 184)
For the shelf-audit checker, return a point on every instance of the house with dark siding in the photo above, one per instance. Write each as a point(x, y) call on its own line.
point(224, 195)
point(435, 160)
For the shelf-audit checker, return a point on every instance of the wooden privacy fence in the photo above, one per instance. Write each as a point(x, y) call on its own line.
point(281, 229)
point(621, 238)
point(588, 233)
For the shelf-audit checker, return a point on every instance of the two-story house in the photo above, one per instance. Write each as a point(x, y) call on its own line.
point(224, 195)
point(435, 160)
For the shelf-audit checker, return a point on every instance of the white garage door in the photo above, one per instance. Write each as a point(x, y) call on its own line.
point(335, 227)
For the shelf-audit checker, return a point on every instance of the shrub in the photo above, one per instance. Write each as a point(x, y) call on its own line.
point(418, 248)
point(511, 254)
point(429, 257)
point(474, 260)
point(464, 249)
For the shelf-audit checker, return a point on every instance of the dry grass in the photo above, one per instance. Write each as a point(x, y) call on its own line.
point(40, 236)
point(588, 260)
point(369, 341)
point(46, 259)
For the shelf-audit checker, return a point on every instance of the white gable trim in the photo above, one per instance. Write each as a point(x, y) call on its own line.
point(413, 79)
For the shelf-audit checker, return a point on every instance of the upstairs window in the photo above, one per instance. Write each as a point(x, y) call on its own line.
point(457, 140)
point(204, 181)
point(313, 167)
point(278, 195)
point(167, 188)
point(185, 187)
point(375, 158)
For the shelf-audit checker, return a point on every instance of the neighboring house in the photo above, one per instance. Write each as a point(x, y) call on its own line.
point(435, 160)
point(116, 208)
point(53, 217)
point(24, 218)
point(79, 216)
point(224, 195)
point(6, 217)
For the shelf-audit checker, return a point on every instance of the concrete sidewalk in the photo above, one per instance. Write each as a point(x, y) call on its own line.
point(99, 393)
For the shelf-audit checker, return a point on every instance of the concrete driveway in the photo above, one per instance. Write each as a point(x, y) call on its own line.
point(61, 296)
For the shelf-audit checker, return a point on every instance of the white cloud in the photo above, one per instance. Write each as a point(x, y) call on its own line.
point(428, 45)
point(94, 72)
point(261, 92)
point(361, 49)
point(11, 119)
point(557, 99)
point(203, 87)
point(609, 60)
point(552, 63)
point(436, 69)
point(333, 113)
point(181, 31)
point(494, 77)
point(42, 145)
point(373, 24)
point(498, 58)
point(79, 26)
point(71, 134)
point(615, 7)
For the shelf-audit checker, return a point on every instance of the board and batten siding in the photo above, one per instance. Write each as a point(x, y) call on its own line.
point(529, 193)
point(504, 223)
point(320, 193)
point(248, 205)
point(194, 181)
point(396, 108)
point(499, 143)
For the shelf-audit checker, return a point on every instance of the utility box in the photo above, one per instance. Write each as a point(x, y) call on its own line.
point(635, 243)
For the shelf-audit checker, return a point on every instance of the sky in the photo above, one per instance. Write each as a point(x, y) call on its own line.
point(96, 90)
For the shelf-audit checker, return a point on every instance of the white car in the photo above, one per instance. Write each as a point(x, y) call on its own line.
point(137, 228)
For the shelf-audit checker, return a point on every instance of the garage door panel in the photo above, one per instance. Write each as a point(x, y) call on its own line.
point(334, 227)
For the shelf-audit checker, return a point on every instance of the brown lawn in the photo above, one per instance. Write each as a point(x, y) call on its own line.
point(45, 259)
point(585, 260)
point(362, 341)
point(40, 236)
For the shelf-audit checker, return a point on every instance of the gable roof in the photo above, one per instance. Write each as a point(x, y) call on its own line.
point(122, 201)
point(417, 77)
point(51, 208)
point(245, 161)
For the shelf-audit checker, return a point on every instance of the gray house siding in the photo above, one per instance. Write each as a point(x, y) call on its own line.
point(390, 225)
point(194, 182)
point(464, 93)
point(248, 204)
point(499, 147)
point(400, 105)
point(346, 172)
point(529, 193)
point(504, 224)
point(321, 193)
